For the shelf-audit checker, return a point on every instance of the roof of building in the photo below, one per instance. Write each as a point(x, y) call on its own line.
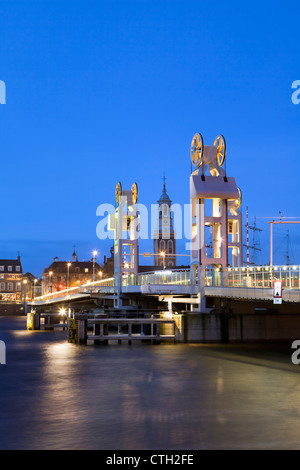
point(30, 276)
point(61, 266)
point(10, 262)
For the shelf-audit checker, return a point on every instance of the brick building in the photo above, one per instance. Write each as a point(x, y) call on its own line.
point(61, 275)
point(11, 280)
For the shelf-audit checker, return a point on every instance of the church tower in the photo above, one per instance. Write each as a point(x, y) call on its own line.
point(164, 235)
point(74, 256)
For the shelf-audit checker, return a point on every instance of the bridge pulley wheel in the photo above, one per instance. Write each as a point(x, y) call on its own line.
point(238, 202)
point(220, 143)
point(134, 189)
point(118, 192)
point(197, 149)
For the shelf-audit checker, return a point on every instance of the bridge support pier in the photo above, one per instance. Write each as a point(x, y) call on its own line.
point(33, 321)
point(51, 320)
point(82, 332)
point(100, 329)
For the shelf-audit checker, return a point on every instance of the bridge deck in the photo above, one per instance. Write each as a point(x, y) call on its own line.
point(255, 283)
point(248, 293)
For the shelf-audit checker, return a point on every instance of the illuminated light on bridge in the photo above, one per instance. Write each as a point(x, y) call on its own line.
point(179, 281)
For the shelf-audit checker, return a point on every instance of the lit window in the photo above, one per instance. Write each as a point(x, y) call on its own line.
point(18, 286)
point(86, 270)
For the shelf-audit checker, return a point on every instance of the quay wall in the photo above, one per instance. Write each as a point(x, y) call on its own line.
point(226, 328)
point(11, 308)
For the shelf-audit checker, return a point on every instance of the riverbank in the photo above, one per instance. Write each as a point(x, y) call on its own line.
point(7, 308)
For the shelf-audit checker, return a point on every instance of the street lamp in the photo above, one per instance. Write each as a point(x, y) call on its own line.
point(25, 295)
point(68, 274)
point(163, 254)
point(94, 261)
point(50, 282)
point(33, 287)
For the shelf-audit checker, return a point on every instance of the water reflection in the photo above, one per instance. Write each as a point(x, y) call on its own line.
point(56, 395)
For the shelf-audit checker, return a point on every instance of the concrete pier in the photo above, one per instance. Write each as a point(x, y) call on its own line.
point(188, 327)
point(244, 328)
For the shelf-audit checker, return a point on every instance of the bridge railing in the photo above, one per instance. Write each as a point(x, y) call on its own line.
point(255, 276)
point(174, 277)
point(85, 288)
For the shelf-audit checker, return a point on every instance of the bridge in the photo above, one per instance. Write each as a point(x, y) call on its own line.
point(215, 283)
point(241, 283)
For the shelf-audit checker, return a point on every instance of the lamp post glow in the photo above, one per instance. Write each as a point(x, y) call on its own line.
point(94, 261)
point(68, 274)
point(33, 287)
point(50, 282)
point(163, 254)
point(25, 295)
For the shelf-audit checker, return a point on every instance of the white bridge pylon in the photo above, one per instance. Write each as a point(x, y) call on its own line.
point(216, 217)
point(125, 223)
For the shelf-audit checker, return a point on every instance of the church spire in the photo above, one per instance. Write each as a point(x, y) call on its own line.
point(74, 256)
point(164, 187)
point(164, 198)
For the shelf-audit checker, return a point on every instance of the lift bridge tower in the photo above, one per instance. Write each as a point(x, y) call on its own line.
point(125, 224)
point(216, 218)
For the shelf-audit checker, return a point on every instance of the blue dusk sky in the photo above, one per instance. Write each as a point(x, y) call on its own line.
point(104, 91)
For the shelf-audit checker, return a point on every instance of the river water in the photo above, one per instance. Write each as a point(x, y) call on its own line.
point(56, 395)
